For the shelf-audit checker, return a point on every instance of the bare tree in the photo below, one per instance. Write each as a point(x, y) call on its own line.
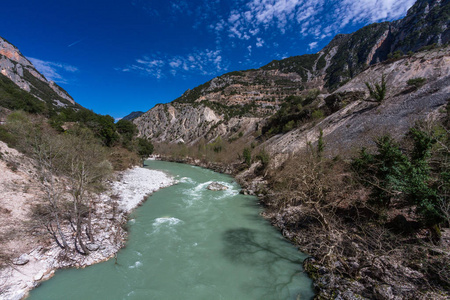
point(86, 167)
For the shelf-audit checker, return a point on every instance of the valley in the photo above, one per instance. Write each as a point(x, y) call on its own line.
point(345, 149)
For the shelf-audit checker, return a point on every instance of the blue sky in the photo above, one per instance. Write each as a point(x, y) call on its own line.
point(119, 56)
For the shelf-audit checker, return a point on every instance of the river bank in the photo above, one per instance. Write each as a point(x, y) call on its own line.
point(127, 191)
point(352, 257)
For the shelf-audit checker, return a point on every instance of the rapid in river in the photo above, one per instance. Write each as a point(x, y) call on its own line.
point(187, 242)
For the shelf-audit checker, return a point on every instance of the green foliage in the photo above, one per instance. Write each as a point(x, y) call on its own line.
point(247, 154)
point(395, 55)
point(43, 90)
point(294, 110)
point(12, 97)
point(102, 125)
point(264, 157)
point(298, 64)
point(395, 175)
point(191, 95)
point(317, 114)
point(127, 130)
point(320, 144)
point(353, 51)
point(321, 63)
point(416, 82)
point(378, 91)
point(144, 147)
point(217, 145)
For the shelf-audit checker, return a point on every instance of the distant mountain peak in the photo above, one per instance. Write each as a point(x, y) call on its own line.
point(133, 115)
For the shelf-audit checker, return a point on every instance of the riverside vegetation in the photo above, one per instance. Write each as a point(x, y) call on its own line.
point(72, 165)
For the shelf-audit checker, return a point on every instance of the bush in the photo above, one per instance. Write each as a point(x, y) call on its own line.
point(416, 82)
point(378, 90)
point(317, 114)
point(393, 174)
point(247, 154)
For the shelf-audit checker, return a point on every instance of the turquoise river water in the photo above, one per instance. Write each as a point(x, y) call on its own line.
point(187, 242)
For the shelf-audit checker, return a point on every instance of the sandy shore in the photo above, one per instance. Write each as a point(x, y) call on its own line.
point(130, 189)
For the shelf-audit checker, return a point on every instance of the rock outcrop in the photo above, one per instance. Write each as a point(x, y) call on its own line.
point(21, 72)
point(186, 123)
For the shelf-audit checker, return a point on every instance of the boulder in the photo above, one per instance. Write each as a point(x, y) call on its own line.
point(215, 186)
point(92, 247)
point(21, 260)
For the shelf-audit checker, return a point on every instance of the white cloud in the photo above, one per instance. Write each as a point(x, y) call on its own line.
point(54, 71)
point(259, 42)
point(207, 62)
point(316, 18)
point(313, 45)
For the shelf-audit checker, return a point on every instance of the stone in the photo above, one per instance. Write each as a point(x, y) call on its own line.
point(92, 247)
point(383, 292)
point(38, 276)
point(21, 260)
point(215, 186)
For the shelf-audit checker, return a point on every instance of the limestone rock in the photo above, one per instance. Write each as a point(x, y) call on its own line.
point(21, 260)
point(92, 247)
point(215, 186)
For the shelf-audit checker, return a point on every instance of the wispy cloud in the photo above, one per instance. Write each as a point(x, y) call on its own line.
point(312, 46)
point(74, 43)
point(315, 18)
point(54, 71)
point(206, 62)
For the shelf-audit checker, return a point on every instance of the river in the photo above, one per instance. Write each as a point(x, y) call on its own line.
point(186, 242)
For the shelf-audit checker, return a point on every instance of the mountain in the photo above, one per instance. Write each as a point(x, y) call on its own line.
point(22, 86)
point(243, 100)
point(133, 115)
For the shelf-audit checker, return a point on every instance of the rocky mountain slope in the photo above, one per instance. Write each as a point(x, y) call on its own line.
point(249, 97)
point(16, 68)
point(355, 123)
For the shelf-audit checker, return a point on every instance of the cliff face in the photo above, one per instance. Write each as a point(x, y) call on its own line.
point(426, 23)
point(258, 94)
point(21, 72)
point(186, 123)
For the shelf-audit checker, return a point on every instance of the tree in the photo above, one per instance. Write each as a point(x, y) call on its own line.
point(144, 148)
point(86, 167)
point(247, 154)
point(127, 130)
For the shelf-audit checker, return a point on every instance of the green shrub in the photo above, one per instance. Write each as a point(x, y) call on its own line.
point(377, 91)
point(264, 157)
point(247, 154)
point(406, 176)
point(416, 82)
point(317, 114)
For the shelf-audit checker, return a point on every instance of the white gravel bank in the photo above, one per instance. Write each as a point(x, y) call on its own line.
point(131, 189)
point(137, 183)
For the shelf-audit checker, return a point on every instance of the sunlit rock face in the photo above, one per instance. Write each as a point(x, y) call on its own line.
point(21, 71)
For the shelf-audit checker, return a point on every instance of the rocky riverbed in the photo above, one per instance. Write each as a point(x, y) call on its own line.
point(26, 270)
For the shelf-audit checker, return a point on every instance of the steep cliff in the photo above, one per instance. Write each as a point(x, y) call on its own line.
point(20, 71)
point(187, 123)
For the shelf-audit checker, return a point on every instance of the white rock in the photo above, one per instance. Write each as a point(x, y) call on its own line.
point(215, 186)
point(21, 260)
point(38, 276)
